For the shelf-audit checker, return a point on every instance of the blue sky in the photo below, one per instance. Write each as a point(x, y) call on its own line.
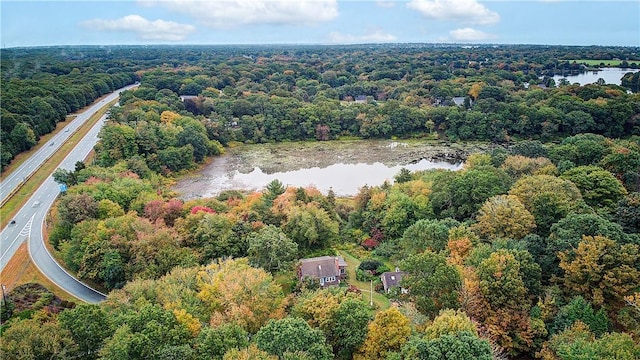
point(546, 22)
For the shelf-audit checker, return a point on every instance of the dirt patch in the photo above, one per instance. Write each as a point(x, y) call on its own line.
point(285, 157)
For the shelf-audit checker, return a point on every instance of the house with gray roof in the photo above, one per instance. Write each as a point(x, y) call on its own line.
point(328, 270)
point(391, 279)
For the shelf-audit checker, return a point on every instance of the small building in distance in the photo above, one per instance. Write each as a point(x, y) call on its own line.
point(188, 97)
point(391, 279)
point(328, 270)
point(361, 99)
point(460, 100)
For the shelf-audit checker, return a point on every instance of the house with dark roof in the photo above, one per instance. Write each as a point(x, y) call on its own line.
point(391, 279)
point(328, 270)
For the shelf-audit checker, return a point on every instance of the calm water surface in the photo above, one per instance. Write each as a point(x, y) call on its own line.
point(343, 179)
point(610, 76)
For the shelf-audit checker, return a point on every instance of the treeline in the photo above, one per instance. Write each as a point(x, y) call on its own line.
point(261, 94)
point(37, 94)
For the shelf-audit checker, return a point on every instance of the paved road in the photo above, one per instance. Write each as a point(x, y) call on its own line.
point(15, 179)
point(31, 217)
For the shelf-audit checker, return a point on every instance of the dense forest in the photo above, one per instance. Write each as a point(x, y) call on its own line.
point(532, 250)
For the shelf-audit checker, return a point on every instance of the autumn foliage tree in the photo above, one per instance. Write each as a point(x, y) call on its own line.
point(504, 216)
point(601, 270)
point(388, 331)
point(547, 198)
point(236, 292)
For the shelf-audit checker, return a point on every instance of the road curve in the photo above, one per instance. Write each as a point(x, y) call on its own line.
point(30, 219)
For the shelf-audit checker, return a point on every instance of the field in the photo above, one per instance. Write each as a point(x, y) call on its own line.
point(598, 62)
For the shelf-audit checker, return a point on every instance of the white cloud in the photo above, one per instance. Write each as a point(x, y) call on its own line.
point(232, 13)
point(385, 4)
point(376, 36)
point(465, 11)
point(160, 30)
point(469, 34)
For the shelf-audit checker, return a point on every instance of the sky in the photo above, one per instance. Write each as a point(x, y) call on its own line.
point(209, 22)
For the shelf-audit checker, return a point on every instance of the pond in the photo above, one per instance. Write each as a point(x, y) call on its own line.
point(342, 166)
point(609, 75)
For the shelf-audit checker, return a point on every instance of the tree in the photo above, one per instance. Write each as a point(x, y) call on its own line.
point(460, 345)
point(432, 283)
point(577, 342)
point(89, 326)
point(388, 331)
point(348, 328)
point(292, 335)
point(580, 310)
point(23, 137)
point(547, 198)
point(518, 166)
point(74, 208)
point(310, 227)
point(601, 270)
point(501, 282)
point(214, 342)
point(449, 322)
point(463, 195)
point(628, 212)
point(567, 233)
point(109, 209)
point(271, 249)
point(36, 339)
point(581, 149)
point(144, 331)
point(403, 176)
point(236, 292)
point(497, 298)
point(117, 142)
point(427, 234)
point(66, 177)
point(599, 188)
point(504, 216)
point(250, 353)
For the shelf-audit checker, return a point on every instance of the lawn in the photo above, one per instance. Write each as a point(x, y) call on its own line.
point(381, 301)
point(591, 62)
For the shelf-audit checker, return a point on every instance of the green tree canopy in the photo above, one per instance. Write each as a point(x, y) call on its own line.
point(432, 283)
point(292, 335)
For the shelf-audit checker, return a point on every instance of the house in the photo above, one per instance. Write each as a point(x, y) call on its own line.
point(329, 270)
point(459, 100)
point(188, 97)
point(361, 99)
point(391, 279)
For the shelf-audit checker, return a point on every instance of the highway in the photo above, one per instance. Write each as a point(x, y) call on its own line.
point(26, 169)
point(31, 217)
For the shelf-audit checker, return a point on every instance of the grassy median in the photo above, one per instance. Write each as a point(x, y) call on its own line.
point(11, 207)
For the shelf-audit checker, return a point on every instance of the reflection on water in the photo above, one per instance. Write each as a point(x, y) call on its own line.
point(344, 179)
point(609, 75)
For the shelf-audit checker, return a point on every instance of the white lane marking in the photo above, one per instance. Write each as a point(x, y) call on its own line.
point(24, 232)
